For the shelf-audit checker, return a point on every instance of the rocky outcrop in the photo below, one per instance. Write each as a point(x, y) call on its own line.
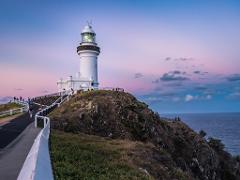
point(177, 152)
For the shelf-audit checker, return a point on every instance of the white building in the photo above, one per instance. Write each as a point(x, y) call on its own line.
point(87, 77)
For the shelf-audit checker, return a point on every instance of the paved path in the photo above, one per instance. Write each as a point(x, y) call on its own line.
point(11, 130)
point(7, 119)
point(16, 140)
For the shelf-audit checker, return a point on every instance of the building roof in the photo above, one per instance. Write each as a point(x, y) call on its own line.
point(88, 29)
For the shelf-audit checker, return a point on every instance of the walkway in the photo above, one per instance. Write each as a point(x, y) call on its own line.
point(16, 140)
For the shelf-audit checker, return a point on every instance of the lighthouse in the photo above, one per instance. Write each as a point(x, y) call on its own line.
point(88, 52)
point(87, 77)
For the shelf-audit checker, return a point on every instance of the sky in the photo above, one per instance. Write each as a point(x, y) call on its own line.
point(177, 56)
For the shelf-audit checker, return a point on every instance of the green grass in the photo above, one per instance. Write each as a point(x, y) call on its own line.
point(8, 106)
point(80, 156)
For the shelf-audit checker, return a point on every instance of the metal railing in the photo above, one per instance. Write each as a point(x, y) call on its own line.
point(11, 112)
point(37, 165)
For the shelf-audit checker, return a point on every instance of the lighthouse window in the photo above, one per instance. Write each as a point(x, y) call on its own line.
point(88, 37)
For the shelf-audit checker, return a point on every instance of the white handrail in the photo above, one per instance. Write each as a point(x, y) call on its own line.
point(37, 165)
point(16, 110)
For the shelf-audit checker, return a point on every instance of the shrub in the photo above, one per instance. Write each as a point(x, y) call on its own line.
point(237, 158)
point(216, 144)
point(202, 133)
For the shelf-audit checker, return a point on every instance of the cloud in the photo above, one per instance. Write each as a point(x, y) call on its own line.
point(205, 90)
point(189, 97)
point(178, 59)
point(167, 94)
point(184, 59)
point(199, 72)
point(178, 72)
point(44, 91)
point(234, 77)
point(208, 97)
point(156, 81)
point(138, 75)
point(168, 58)
point(154, 99)
point(201, 88)
point(234, 95)
point(18, 89)
point(196, 72)
point(176, 99)
point(173, 76)
point(174, 84)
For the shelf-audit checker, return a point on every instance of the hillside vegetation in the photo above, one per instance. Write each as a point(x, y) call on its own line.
point(81, 156)
point(45, 100)
point(8, 106)
point(162, 149)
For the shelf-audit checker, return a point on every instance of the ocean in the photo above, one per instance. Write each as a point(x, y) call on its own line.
point(223, 126)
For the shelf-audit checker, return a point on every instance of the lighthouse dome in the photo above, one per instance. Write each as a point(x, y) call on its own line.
point(88, 29)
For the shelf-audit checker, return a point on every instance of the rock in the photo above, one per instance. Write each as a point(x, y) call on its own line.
point(144, 170)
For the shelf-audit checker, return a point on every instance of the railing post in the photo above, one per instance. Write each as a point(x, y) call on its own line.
point(45, 121)
point(35, 122)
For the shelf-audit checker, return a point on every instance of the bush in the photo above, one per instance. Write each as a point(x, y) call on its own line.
point(202, 133)
point(216, 144)
point(237, 158)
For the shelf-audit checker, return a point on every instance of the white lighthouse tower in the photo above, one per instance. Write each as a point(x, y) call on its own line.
point(87, 77)
point(88, 52)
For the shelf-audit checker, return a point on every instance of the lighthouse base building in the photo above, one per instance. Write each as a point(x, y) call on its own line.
point(87, 77)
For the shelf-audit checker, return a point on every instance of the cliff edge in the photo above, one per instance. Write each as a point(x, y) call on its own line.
point(169, 148)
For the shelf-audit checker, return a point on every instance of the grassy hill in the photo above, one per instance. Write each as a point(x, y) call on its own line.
point(100, 124)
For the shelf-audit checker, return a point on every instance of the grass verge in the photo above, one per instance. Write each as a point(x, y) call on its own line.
point(81, 156)
point(8, 106)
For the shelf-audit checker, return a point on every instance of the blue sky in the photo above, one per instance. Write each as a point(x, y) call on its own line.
point(178, 56)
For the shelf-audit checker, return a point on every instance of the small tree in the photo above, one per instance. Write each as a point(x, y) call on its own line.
point(237, 158)
point(157, 115)
point(202, 133)
point(216, 144)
